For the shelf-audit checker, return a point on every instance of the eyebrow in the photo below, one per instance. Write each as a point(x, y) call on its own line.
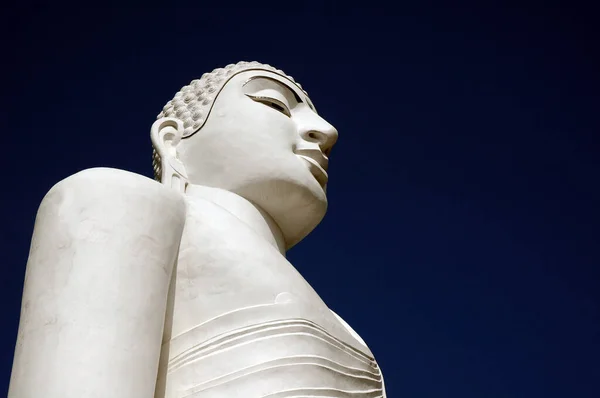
point(288, 88)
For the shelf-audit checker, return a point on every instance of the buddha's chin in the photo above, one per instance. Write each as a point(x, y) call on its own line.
point(297, 206)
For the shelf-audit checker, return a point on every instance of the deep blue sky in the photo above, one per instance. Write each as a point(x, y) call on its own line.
point(462, 236)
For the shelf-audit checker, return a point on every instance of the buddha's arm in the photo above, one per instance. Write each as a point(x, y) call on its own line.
point(96, 285)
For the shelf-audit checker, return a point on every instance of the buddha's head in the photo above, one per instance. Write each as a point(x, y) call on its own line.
point(251, 130)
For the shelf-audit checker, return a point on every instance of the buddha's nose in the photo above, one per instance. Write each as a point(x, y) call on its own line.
point(320, 132)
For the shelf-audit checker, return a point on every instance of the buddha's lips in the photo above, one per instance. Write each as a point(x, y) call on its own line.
point(315, 155)
point(315, 168)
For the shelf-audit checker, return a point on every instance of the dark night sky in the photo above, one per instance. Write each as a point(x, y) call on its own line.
point(462, 236)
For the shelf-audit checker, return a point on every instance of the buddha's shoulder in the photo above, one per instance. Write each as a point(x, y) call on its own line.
point(106, 186)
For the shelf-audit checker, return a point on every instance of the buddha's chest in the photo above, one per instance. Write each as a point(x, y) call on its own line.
point(228, 276)
point(225, 267)
point(241, 311)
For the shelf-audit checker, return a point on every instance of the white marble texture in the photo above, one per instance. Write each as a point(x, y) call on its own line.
point(181, 289)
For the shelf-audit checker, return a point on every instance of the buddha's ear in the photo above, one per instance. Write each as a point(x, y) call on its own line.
point(166, 134)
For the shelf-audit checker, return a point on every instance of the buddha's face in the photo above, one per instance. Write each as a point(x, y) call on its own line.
point(264, 141)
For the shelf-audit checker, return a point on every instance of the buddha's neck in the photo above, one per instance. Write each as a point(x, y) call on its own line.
point(244, 210)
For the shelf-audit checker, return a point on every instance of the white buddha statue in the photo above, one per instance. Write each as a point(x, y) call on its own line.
point(180, 288)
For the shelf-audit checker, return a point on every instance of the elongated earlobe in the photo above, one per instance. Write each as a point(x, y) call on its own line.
point(166, 134)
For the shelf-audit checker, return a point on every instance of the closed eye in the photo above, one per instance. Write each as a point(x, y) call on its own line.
point(273, 103)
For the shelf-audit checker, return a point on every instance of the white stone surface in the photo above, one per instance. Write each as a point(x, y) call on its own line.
point(119, 261)
point(96, 285)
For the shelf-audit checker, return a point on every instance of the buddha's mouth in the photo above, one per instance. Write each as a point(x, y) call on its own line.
point(317, 164)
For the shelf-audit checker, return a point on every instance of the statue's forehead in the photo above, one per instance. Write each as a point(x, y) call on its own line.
point(192, 104)
point(244, 77)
